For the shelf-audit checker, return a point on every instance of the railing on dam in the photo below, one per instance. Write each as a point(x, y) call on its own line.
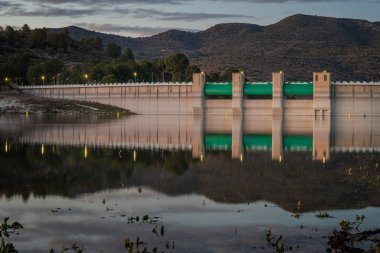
point(62, 86)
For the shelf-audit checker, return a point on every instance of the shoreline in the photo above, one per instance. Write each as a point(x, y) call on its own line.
point(12, 102)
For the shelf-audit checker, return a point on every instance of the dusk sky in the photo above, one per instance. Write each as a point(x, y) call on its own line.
point(146, 17)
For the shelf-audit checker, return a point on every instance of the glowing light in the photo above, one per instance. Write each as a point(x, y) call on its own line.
point(86, 76)
point(6, 147)
point(299, 205)
point(85, 152)
point(280, 158)
point(324, 159)
point(42, 78)
point(118, 115)
point(241, 72)
point(201, 156)
point(349, 116)
point(27, 114)
point(135, 74)
point(134, 155)
point(6, 79)
point(241, 157)
point(42, 149)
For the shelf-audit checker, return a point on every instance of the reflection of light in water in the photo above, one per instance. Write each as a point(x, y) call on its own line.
point(26, 114)
point(226, 115)
point(6, 147)
point(118, 115)
point(201, 156)
point(42, 149)
point(324, 159)
point(85, 152)
point(280, 158)
point(134, 155)
point(241, 157)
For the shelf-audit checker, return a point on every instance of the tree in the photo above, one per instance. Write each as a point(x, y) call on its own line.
point(177, 65)
point(213, 77)
point(128, 55)
point(113, 50)
point(25, 30)
point(38, 38)
point(10, 35)
point(226, 76)
point(190, 71)
point(52, 68)
point(58, 40)
point(160, 66)
point(109, 79)
point(34, 74)
point(94, 44)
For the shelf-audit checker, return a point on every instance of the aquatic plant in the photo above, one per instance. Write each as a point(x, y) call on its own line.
point(75, 248)
point(351, 240)
point(6, 230)
point(323, 215)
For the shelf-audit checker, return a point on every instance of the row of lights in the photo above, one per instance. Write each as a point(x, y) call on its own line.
point(86, 76)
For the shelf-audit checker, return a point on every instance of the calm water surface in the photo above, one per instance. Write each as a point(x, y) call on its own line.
point(215, 184)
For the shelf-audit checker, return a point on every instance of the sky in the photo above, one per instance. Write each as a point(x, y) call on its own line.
point(140, 18)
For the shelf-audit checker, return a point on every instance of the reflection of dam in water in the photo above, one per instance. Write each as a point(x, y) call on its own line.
point(237, 135)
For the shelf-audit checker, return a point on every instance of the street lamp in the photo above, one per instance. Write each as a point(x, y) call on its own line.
point(135, 75)
point(43, 79)
point(6, 79)
point(86, 77)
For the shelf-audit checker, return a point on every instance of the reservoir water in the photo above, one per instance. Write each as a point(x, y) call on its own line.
point(183, 183)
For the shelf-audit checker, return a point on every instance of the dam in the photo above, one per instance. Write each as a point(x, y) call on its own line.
point(318, 97)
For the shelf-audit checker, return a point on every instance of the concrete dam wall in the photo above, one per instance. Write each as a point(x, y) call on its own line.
point(319, 97)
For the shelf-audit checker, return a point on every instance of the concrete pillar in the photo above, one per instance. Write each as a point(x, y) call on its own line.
point(321, 138)
point(277, 145)
point(237, 137)
point(198, 92)
point(322, 90)
point(237, 93)
point(278, 83)
point(198, 148)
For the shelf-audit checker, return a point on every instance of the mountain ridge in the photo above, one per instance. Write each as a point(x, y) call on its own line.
point(298, 45)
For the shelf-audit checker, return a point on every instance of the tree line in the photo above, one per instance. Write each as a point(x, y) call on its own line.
point(42, 56)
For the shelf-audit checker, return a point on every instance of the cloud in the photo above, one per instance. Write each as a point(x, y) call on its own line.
point(111, 2)
point(186, 16)
point(48, 11)
point(4, 4)
point(45, 10)
point(137, 30)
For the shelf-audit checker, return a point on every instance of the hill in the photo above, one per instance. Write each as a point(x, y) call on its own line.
point(298, 45)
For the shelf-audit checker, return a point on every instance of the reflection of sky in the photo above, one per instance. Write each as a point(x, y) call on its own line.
point(146, 17)
point(188, 219)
